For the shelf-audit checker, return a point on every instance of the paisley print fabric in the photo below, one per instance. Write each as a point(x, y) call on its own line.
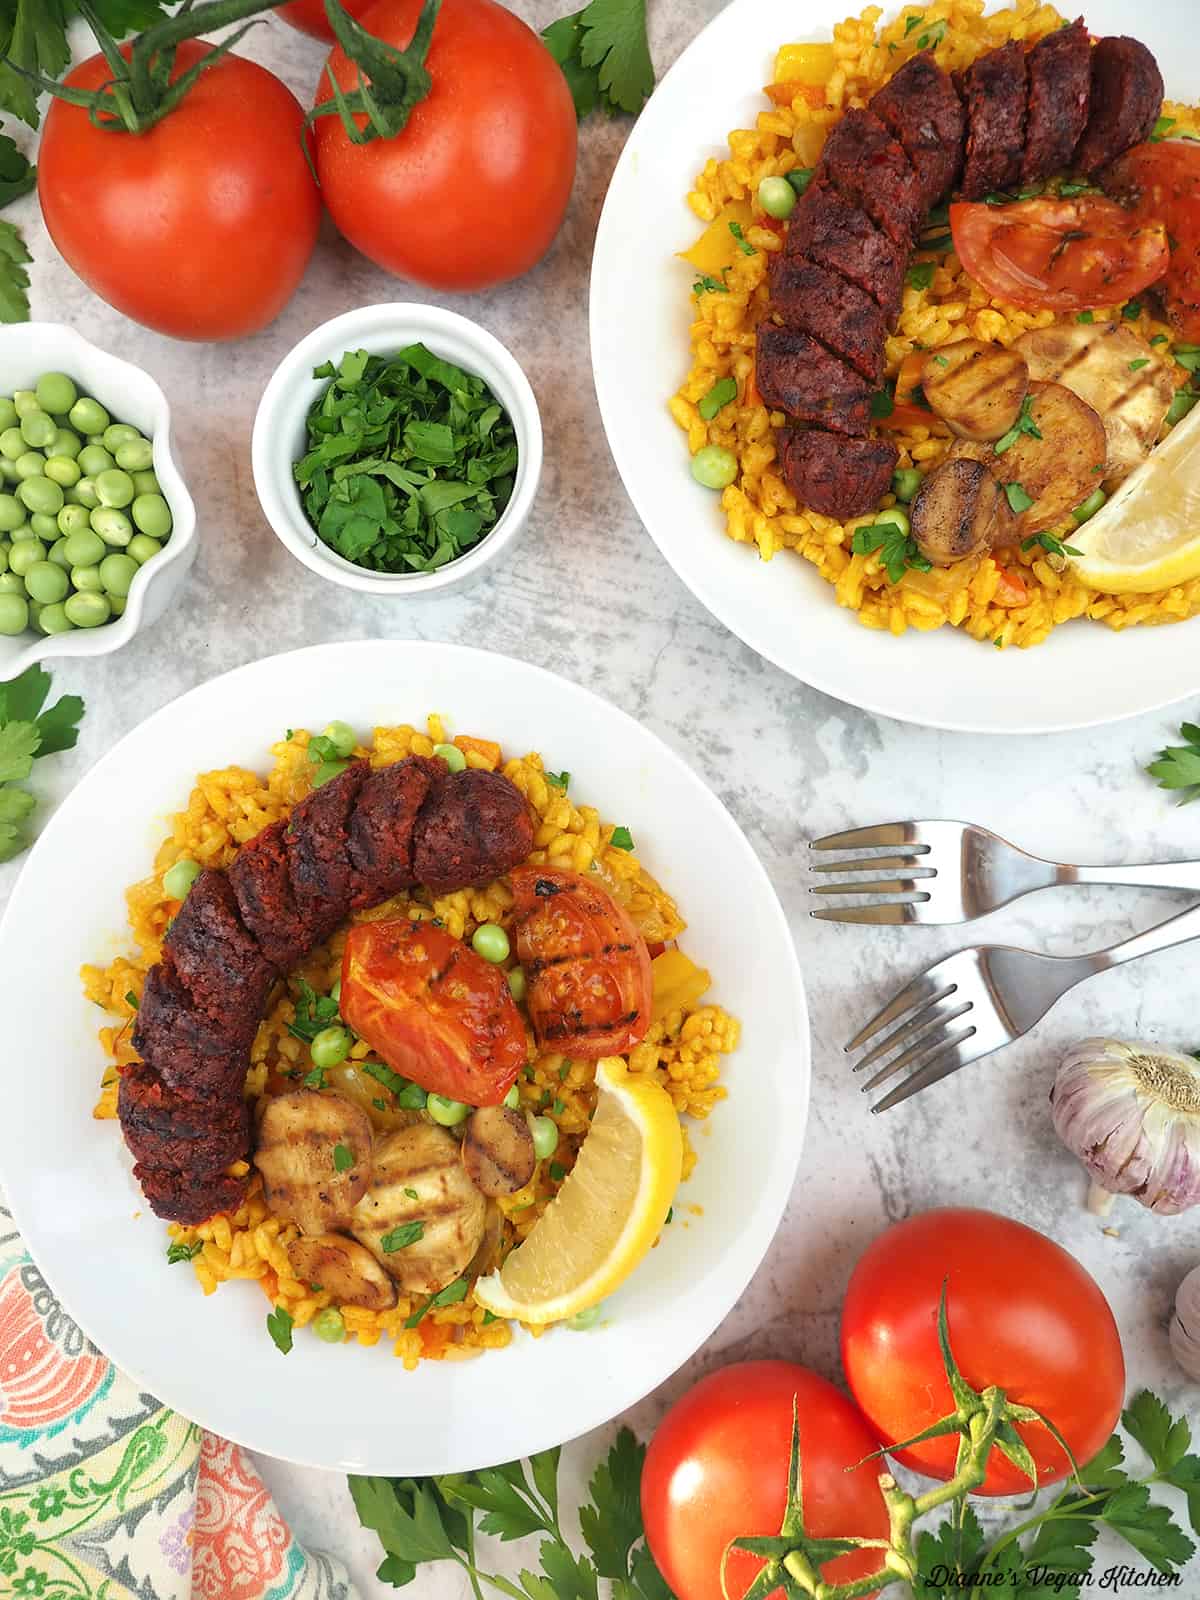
point(107, 1495)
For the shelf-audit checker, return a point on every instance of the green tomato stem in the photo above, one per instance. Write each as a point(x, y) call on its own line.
point(390, 81)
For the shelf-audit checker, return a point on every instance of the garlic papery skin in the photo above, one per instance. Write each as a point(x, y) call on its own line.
point(1131, 1113)
point(1185, 1325)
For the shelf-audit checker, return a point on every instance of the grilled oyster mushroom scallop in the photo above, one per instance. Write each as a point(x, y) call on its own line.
point(421, 1216)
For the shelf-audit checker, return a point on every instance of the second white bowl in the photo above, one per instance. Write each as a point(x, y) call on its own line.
point(279, 435)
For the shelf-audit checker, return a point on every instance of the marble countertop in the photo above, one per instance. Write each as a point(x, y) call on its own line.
point(592, 599)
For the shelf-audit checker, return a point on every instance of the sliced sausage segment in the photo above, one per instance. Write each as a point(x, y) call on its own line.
point(797, 375)
point(831, 309)
point(994, 88)
point(1060, 72)
point(871, 169)
point(920, 106)
point(1126, 98)
point(835, 476)
point(838, 235)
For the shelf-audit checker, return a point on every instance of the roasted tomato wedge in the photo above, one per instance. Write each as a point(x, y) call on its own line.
point(587, 968)
point(1059, 255)
point(1163, 181)
point(433, 1010)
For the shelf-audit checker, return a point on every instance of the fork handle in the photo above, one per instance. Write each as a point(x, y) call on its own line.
point(1176, 930)
point(1155, 875)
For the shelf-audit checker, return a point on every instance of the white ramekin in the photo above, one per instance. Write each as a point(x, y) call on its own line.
point(27, 349)
point(279, 436)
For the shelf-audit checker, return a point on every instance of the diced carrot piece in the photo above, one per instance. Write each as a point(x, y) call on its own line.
point(487, 748)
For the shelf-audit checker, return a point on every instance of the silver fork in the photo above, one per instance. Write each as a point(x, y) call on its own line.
point(954, 872)
point(975, 1002)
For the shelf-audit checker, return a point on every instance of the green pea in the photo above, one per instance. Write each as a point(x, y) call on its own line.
point(88, 416)
point(58, 554)
point(46, 583)
point(894, 515)
point(25, 531)
point(37, 429)
point(146, 483)
point(87, 580)
point(8, 414)
point(327, 769)
point(447, 1112)
point(516, 983)
point(54, 619)
point(340, 735)
point(12, 443)
point(84, 494)
point(714, 466)
point(118, 602)
point(330, 1046)
point(329, 1325)
point(5, 547)
point(905, 483)
point(451, 755)
point(55, 392)
point(87, 610)
point(85, 549)
point(1180, 406)
point(95, 459)
point(512, 1099)
point(12, 513)
point(30, 465)
point(8, 471)
point(62, 470)
point(178, 879)
point(25, 555)
point(44, 527)
point(491, 942)
point(73, 519)
point(144, 549)
point(65, 443)
point(1090, 506)
point(590, 1316)
point(35, 612)
point(14, 614)
point(117, 573)
point(25, 400)
point(113, 526)
point(335, 993)
point(545, 1137)
point(11, 583)
point(135, 455)
point(115, 488)
point(152, 515)
point(119, 433)
point(777, 197)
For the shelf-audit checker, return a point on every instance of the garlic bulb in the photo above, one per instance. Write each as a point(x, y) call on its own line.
point(1131, 1113)
point(1185, 1325)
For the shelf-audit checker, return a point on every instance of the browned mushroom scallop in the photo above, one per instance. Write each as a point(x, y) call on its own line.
point(422, 1218)
point(345, 1268)
point(959, 511)
point(1050, 471)
point(314, 1153)
point(497, 1151)
point(977, 389)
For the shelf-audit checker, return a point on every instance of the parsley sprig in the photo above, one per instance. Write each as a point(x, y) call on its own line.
point(27, 732)
point(898, 551)
point(1178, 766)
point(1051, 543)
point(1023, 424)
point(314, 1012)
point(605, 56)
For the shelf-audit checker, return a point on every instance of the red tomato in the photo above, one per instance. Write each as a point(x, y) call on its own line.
point(1023, 1315)
point(1059, 255)
point(200, 228)
point(587, 968)
point(472, 191)
point(309, 15)
point(1163, 181)
point(717, 1470)
point(435, 1011)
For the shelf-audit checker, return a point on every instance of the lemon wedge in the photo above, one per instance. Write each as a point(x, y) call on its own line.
point(1148, 535)
point(608, 1212)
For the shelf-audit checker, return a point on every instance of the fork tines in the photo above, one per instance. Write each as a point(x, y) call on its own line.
point(920, 1022)
point(885, 836)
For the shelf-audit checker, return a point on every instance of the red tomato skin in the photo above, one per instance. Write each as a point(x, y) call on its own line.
point(309, 16)
point(1163, 180)
point(433, 1010)
point(201, 228)
point(716, 1470)
point(473, 190)
point(1023, 1314)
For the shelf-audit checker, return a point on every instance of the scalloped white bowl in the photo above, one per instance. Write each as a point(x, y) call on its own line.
point(28, 349)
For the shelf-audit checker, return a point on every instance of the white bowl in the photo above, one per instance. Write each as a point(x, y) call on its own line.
point(91, 1233)
point(27, 349)
point(279, 435)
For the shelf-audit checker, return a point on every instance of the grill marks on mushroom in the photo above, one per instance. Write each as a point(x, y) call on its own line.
point(960, 511)
point(314, 1153)
point(344, 1268)
point(419, 1178)
point(497, 1151)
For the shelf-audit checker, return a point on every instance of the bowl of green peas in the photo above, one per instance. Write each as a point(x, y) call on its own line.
point(97, 529)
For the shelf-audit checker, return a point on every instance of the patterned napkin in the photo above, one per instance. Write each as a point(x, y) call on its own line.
point(107, 1495)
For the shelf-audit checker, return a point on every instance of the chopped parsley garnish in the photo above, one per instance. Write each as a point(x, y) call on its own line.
point(1160, 338)
point(739, 238)
point(131, 999)
point(412, 1194)
point(410, 462)
point(933, 35)
point(1178, 766)
point(882, 404)
point(942, 361)
point(178, 1251)
point(920, 274)
point(1132, 310)
point(558, 1108)
point(408, 1095)
point(559, 780)
point(621, 839)
point(1070, 190)
point(563, 1070)
point(314, 1012)
point(1017, 497)
point(898, 552)
point(401, 1237)
point(1187, 356)
point(721, 393)
point(279, 1326)
point(800, 178)
point(707, 285)
point(382, 1105)
point(449, 1296)
point(1142, 361)
point(1023, 424)
point(1052, 545)
point(1183, 402)
point(1086, 316)
point(1161, 128)
point(670, 1213)
point(343, 1158)
point(315, 1079)
point(557, 1172)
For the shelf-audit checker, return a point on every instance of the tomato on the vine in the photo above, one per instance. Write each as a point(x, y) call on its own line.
point(201, 226)
point(309, 15)
point(473, 187)
point(1023, 1315)
point(717, 1470)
